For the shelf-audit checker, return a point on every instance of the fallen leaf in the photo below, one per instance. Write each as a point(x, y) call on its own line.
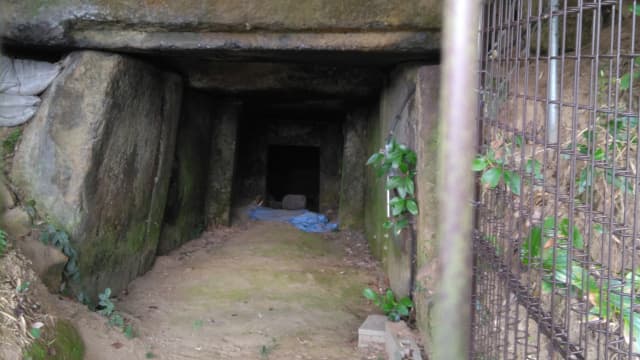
point(117, 345)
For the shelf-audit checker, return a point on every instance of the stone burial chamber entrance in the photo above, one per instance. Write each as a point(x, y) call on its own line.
point(152, 134)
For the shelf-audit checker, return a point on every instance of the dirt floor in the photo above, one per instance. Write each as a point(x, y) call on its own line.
point(266, 291)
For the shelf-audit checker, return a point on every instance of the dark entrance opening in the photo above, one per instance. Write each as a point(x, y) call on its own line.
point(294, 170)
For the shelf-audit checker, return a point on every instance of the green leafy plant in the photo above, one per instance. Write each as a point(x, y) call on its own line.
point(108, 309)
point(105, 305)
point(60, 239)
point(494, 171)
point(547, 248)
point(610, 136)
point(3, 242)
point(393, 308)
point(9, 144)
point(397, 162)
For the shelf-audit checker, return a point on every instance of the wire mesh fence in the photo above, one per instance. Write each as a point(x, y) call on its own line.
point(557, 230)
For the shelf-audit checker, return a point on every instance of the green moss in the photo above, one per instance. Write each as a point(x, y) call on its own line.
point(63, 343)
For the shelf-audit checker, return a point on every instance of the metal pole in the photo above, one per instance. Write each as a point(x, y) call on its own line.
point(552, 109)
point(457, 147)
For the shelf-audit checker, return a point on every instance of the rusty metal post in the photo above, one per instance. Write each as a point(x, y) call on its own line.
point(458, 104)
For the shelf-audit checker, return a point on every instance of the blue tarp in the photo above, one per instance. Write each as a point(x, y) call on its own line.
point(302, 219)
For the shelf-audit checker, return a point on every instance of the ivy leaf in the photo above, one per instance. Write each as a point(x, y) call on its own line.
point(410, 185)
point(387, 225)
point(492, 177)
point(370, 294)
point(625, 80)
point(394, 182)
point(512, 180)
point(410, 157)
point(412, 207)
point(635, 9)
point(534, 167)
point(406, 301)
point(375, 158)
point(518, 140)
point(479, 164)
point(400, 225)
point(396, 159)
point(398, 205)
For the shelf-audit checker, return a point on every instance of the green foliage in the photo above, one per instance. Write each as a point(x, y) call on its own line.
point(397, 162)
point(394, 309)
point(62, 342)
point(3, 242)
point(107, 309)
point(149, 355)
point(494, 172)
point(60, 239)
point(9, 144)
point(105, 305)
point(613, 136)
point(547, 246)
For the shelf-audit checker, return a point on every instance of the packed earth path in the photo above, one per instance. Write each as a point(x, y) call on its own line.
point(262, 291)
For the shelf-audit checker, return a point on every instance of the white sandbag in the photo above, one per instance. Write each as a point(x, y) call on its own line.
point(7, 75)
point(28, 77)
point(16, 115)
point(17, 109)
point(18, 100)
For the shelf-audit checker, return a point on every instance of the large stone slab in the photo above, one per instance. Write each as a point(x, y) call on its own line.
point(184, 215)
point(96, 159)
point(354, 158)
point(229, 24)
point(222, 163)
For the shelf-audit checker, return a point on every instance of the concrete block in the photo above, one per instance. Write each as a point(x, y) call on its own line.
point(372, 331)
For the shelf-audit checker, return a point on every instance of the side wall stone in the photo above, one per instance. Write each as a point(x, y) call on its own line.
point(408, 106)
point(184, 217)
point(96, 159)
point(222, 163)
point(351, 210)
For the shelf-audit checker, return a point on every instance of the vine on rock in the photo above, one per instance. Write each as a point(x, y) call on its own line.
point(397, 162)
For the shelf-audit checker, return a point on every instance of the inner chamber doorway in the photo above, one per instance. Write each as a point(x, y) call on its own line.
point(294, 170)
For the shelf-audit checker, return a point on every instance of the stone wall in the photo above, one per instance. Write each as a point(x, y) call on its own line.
point(352, 187)
point(222, 163)
point(184, 217)
point(408, 105)
point(224, 24)
point(97, 158)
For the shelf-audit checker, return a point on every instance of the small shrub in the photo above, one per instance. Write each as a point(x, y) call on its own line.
point(394, 309)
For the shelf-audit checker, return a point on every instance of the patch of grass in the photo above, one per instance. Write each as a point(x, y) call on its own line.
point(9, 144)
point(3, 242)
point(60, 343)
